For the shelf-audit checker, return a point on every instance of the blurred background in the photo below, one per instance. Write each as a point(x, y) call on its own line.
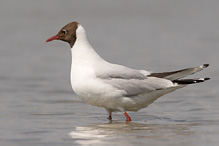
point(37, 104)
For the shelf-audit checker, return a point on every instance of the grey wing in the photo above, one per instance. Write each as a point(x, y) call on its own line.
point(108, 71)
point(133, 87)
point(133, 82)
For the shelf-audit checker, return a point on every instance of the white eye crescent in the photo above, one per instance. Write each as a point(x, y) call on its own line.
point(64, 31)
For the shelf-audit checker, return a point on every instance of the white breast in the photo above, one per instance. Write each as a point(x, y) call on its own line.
point(83, 78)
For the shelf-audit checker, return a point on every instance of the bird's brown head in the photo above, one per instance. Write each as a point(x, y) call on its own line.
point(67, 34)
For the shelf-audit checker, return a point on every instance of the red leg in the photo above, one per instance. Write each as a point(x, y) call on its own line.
point(127, 116)
point(110, 113)
point(110, 117)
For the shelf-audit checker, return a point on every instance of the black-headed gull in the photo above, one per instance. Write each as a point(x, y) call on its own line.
point(116, 87)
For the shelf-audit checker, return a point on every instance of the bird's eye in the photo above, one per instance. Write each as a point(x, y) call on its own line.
point(64, 31)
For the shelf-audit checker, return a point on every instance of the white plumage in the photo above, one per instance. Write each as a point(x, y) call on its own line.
point(112, 86)
point(116, 87)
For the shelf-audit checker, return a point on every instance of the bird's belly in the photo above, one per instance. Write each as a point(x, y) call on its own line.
point(95, 92)
point(143, 100)
point(102, 95)
point(99, 98)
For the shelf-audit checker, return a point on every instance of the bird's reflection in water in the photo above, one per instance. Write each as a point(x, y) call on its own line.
point(116, 132)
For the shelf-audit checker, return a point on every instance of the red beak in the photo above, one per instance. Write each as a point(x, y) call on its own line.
point(52, 38)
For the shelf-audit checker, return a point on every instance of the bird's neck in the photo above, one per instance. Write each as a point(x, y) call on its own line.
point(82, 51)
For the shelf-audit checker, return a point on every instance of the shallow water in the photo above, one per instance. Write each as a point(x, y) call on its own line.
point(38, 106)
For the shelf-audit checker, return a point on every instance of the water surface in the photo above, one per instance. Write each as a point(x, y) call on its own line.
point(38, 106)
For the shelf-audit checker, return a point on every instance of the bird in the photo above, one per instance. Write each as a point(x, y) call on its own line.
point(116, 88)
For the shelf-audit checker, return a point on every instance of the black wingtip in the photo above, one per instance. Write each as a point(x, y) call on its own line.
point(207, 79)
point(191, 81)
point(205, 65)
